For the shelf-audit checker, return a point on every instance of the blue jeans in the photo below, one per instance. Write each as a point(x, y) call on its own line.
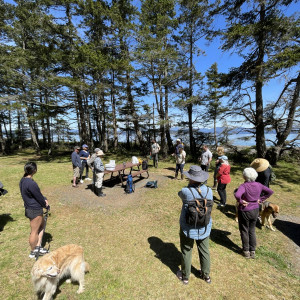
point(179, 167)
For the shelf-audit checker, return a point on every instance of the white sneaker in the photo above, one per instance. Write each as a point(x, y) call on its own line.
point(88, 178)
point(81, 181)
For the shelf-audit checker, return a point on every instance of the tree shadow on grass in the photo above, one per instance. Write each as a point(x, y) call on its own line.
point(289, 229)
point(4, 219)
point(168, 254)
point(221, 237)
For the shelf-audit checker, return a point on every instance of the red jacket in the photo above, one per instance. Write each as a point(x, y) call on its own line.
point(224, 174)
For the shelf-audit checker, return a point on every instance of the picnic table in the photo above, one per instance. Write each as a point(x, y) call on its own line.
point(134, 170)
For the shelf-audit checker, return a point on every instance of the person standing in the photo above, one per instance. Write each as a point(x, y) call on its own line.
point(84, 156)
point(155, 148)
point(223, 177)
point(262, 167)
point(188, 233)
point(34, 202)
point(220, 152)
point(99, 174)
point(205, 158)
point(249, 195)
point(76, 162)
point(180, 161)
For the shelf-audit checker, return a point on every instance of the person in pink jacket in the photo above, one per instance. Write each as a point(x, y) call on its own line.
point(223, 177)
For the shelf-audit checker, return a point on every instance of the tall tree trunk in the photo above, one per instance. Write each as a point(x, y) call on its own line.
point(20, 131)
point(114, 115)
point(2, 141)
point(133, 112)
point(83, 133)
point(168, 135)
point(190, 105)
point(33, 133)
point(259, 121)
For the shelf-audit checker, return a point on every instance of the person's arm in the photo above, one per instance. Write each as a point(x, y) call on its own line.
point(267, 192)
point(37, 195)
point(209, 158)
point(239, 193)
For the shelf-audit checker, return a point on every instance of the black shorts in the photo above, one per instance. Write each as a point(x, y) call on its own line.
point(33, 213)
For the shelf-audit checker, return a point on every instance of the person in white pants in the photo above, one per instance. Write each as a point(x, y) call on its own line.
point(99, 173)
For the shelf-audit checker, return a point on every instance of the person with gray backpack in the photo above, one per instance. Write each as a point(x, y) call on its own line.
point(195, 223)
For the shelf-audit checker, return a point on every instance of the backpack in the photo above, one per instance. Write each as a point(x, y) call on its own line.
point(151, 184)
point(199, 210)
point(144, 165)
point(129, 185)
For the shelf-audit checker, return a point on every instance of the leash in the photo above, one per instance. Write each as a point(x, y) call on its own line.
point(46, 215)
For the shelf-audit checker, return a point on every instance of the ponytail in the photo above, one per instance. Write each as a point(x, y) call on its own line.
point(30, 168)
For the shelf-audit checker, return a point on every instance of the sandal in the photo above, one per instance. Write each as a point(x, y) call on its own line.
point(180, 277)
point(205, 278)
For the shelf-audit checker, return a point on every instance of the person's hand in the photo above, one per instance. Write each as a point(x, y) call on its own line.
point(173, 154)
point(47, 204)
point(245, 203)
point(259, 201)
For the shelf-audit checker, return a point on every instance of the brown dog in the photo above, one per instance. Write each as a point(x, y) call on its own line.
point(66, 261)
point(266, 209)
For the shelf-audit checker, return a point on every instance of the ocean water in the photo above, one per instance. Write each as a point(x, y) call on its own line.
point(248, 140)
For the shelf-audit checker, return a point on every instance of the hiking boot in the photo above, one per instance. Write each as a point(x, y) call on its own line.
point(99, 192)
point(88, 178)
point(246, 254)
point(32, 254)
point(176, 175)
point(252, 254)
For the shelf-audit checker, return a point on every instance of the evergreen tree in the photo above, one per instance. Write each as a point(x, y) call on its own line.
point(266, 40)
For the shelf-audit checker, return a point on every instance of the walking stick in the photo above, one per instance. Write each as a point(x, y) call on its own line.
point(46, 214)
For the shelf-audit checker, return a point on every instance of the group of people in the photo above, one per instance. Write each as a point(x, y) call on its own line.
point(249, 195)
point(81, 159)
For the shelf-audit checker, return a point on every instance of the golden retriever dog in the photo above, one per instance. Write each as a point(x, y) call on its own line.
point(266, 210)
point(64, 262)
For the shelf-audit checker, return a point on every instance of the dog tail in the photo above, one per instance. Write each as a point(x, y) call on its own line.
point(86, 267)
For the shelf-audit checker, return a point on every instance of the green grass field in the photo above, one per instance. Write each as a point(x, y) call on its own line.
point(133, 249)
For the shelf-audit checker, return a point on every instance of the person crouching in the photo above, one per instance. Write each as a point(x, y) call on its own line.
point(99, 174)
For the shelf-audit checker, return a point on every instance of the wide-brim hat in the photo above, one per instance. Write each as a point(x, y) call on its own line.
point(84, 146)
point(260, 164)
point(96, 150)
point(100, 153)
point(195, 173)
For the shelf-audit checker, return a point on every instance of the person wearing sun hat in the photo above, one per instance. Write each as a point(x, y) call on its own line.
point(189, 233)
point(262, 167)
point(99, 174)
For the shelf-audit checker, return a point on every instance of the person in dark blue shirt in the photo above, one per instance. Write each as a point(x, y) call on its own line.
point(84, 156)
point(34, 202)
point(76, 162)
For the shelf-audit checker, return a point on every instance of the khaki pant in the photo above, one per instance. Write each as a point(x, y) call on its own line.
point(99, 180)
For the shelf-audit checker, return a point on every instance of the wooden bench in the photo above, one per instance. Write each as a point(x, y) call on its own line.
point(137, 173)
